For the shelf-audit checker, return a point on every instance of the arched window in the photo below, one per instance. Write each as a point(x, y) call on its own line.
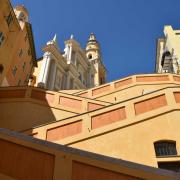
point(80, 76)
point(165, 54)
point(90, 56)
point(165, 148)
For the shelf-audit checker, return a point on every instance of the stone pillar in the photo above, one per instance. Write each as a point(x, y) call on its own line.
point(96, 76)
point(70, 53)
point(44, 72)
point(53, 78)
point(68, 81)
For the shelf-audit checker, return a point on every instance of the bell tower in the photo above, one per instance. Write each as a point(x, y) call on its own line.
point(93, 54)
point(22, 15)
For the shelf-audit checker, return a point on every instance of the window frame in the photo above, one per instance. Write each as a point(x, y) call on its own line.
point(2, 37)
point(164, 148)
point(9, 19)
point(14, 70)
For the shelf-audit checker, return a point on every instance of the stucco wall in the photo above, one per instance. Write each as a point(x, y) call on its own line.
point(135, 142)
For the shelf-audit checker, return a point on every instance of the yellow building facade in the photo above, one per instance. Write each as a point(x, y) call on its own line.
point(17, 52)
point(135, 119)
point(127, 129)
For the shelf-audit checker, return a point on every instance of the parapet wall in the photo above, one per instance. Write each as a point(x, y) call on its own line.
point(155, 82)
point(111, 117)
point(26, 158)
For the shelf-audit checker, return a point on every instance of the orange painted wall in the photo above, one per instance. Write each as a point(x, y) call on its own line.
point(42, 96)
point(93, 106)
point(177, 97)
point(88, 172)
point(150, 104)
point(176, 78)
point(123, 83)
point(24, 163)
point(71, 103)
point(108, 117)
point(100, 90)
point(152, 78)
point(12, 93)
point(64, 131)
point(84, 94)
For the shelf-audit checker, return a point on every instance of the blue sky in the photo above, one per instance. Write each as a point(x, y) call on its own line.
point(126, 29)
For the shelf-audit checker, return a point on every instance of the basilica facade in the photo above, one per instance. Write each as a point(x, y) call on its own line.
point(73, 68)
point(68, 123)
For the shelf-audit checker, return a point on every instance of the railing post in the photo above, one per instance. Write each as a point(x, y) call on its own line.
point(28, 92)
point(86, 124)
point(41, 133)
point(170, 97)
point(130, 111)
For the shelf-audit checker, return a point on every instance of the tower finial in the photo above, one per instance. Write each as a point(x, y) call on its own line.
point(53, 41)
point(92, 37)
point(71, 36)
point(55, 38)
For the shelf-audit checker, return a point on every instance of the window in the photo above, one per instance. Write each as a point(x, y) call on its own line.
point(26, 36)
point(21, 16)
point(24, 65)
point(14, 70)
point(1, 38)
point(20, 52)
point(165, 54)
point(29, 51)
point(80, 76)
point(173, 166)
point(9, 19)
point(71, 83)
point(90, 56)
point(1, 68)
point(165, 148)
point(101, 80)
point(73, 56)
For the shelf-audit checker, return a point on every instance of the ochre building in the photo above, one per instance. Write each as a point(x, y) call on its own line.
point(68, 124)
point(134, 119)
point(17, 52)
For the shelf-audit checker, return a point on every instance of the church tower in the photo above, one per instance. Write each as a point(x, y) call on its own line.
point(93, 54)
point(21, 13)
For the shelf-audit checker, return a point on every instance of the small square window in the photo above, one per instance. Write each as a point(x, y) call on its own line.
point(9, 19)
point(14, 70)
point(20, 52)
point(26, 37)
point(1, 38)
point(24, 65)
point(29, 51)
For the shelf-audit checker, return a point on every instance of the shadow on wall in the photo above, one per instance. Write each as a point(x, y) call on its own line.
point(26, 107)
